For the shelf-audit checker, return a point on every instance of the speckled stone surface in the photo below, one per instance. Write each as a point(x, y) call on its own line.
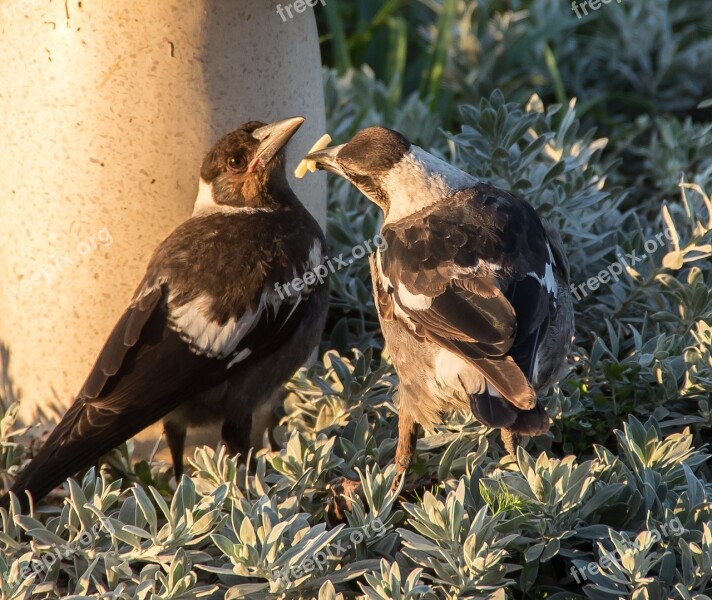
point(107, 109)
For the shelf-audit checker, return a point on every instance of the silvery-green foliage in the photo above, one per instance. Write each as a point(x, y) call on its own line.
point(667, 149)
point(626, 454)
point(466, 552)
point(647, 333)
point(388, 584)
point(660, 48)
point(540, 154)
point(624, 59)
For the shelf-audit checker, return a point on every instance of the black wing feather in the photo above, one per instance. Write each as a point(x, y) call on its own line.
point(479, 258)
point(155, 376)
point(145, 369)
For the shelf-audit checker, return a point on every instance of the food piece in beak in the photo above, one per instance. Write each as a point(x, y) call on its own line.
point(310, 165)
point(327, 159)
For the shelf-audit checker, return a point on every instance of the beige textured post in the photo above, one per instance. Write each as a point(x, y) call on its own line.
point(107, 109)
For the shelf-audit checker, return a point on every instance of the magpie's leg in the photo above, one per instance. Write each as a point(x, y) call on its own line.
point(236, 433)
point(343, 489)
point(405, 451)
point(511, 441)
point(175, 436)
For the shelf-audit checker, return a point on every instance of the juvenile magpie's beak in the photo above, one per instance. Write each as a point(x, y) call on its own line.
point(273, 138)
point(326, 159)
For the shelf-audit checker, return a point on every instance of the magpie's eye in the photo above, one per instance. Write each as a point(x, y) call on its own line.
point(237, 163)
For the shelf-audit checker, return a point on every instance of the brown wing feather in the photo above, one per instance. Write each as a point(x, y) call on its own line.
point(123, 337)
point(478, 262)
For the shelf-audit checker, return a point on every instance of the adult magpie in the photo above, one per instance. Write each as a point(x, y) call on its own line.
point(209, 334)
point(472, 291)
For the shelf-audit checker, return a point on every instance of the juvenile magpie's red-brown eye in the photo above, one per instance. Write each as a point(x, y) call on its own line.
point(237, 163)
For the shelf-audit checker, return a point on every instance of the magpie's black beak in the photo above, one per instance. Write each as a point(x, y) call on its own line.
point(273, 138)
point(327, 159)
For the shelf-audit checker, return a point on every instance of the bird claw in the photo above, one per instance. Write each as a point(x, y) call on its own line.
point(419, 485)
point(342, 491)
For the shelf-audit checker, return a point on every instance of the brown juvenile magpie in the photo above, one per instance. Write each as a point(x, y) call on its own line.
point(472, 291)
point(208, 334)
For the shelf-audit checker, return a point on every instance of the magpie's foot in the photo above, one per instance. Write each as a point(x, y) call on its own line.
point(342, 490)
point(417, 487)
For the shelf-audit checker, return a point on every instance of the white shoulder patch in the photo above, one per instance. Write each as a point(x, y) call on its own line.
point(207, 337)
point(204, 335)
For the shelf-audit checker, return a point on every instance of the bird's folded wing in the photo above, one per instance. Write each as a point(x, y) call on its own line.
point(473, 275)
point(143, 372)
point(161, 353)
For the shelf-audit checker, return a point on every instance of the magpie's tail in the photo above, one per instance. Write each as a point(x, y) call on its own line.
point(531, 422)
point(78, 442)
point(46, 470)
point(493, 411)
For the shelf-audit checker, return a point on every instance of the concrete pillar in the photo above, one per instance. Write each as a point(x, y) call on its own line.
point(107, 110)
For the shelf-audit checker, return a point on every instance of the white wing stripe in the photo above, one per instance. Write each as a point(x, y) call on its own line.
point(413, 301)
point(206, 336)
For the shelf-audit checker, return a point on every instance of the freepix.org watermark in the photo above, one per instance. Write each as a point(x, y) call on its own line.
point(23, 6)
point(333, 551)
point(48, 272)
point(580, 574)
point(592, 4)
point(298, 6)
point(330, 265)
point(613, 271)
point(45, 560)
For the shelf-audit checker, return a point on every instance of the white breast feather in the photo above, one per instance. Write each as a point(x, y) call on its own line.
point(454, 373)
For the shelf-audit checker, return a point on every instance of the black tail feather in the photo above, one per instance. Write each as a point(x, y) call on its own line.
point(531, 422)
point(492, 410)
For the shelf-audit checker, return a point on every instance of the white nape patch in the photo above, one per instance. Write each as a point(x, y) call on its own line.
point(548, 281)
point(420, 180)
point(205, 203)
point(413, 301)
